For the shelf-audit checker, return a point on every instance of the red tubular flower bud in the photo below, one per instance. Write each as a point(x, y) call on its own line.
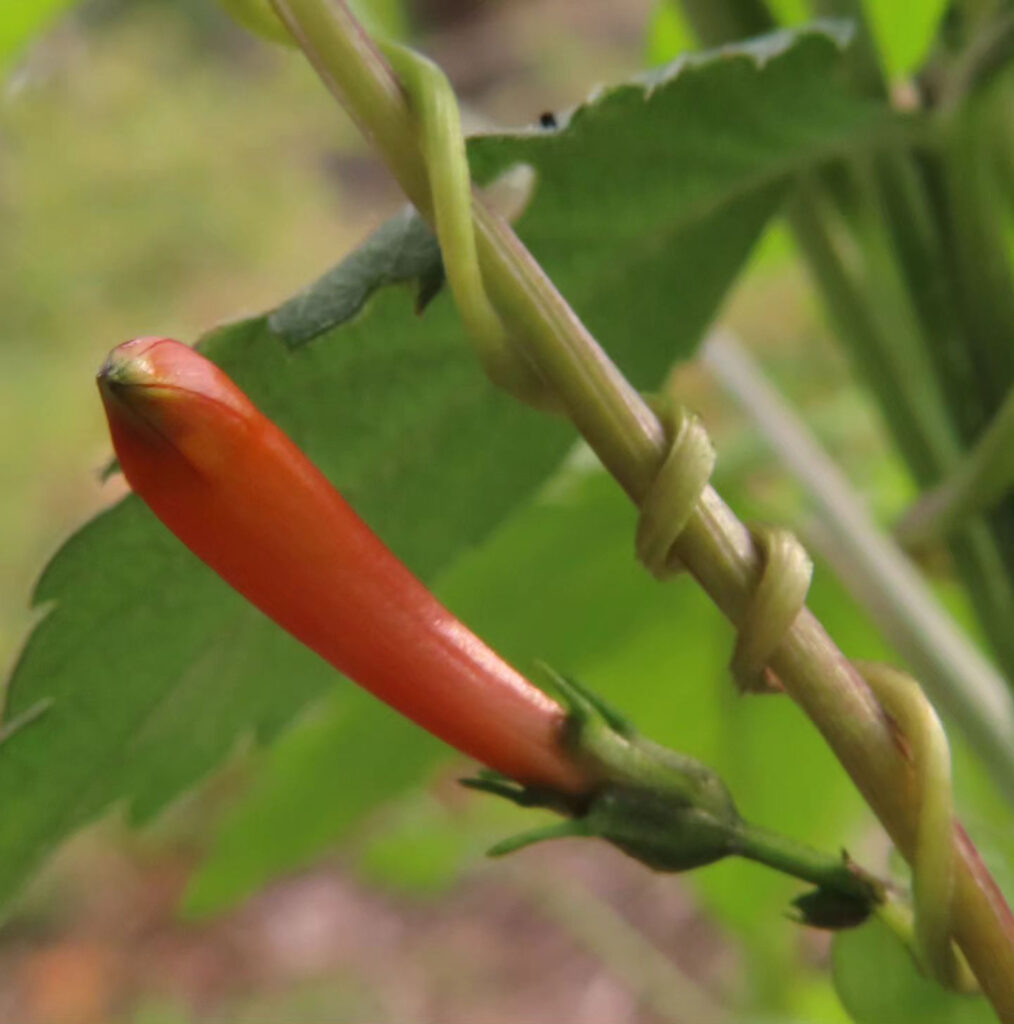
point(239, 493)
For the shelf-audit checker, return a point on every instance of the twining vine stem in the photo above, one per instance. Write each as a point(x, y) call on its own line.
point(714, 546)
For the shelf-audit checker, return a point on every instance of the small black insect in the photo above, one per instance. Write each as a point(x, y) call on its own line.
point(547, 120)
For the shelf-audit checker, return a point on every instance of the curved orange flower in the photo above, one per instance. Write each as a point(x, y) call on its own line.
point(239, 493)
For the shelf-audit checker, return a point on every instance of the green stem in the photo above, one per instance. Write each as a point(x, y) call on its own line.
point(901, 225)
point(801, 861)
point(981, 480)
point(965, 198)
point(906, 391)
point(989, 52)
point(628, 438)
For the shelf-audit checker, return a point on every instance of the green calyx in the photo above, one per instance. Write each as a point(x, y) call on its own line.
point(662, 808)
point(672, 813)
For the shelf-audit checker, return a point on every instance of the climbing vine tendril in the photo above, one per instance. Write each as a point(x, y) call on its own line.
point(673, 495)
point(923, 736)
point(778, 598)
point(432, 101)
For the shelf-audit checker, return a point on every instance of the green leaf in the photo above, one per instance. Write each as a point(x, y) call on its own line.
point(668, 34)
point(648, 201)
point(401, 251)
point(423, 847)
point(790, 12)
point(21, 20)
point(904, 32)
point(322, 777)
point(876, 980)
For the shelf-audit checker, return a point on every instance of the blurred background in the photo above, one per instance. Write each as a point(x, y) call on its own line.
point(161, 172)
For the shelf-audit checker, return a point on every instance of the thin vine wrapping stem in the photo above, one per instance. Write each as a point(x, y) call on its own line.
point(715, 546)
point(443, 145)
point(934, 861)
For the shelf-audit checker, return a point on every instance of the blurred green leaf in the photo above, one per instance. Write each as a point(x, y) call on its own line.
point(422, 847)
point(323, 776)
point(790, 12)
point(904, 32)
point(877, 981)
point(668, 34)
point(150, 668)
point(20, 20)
